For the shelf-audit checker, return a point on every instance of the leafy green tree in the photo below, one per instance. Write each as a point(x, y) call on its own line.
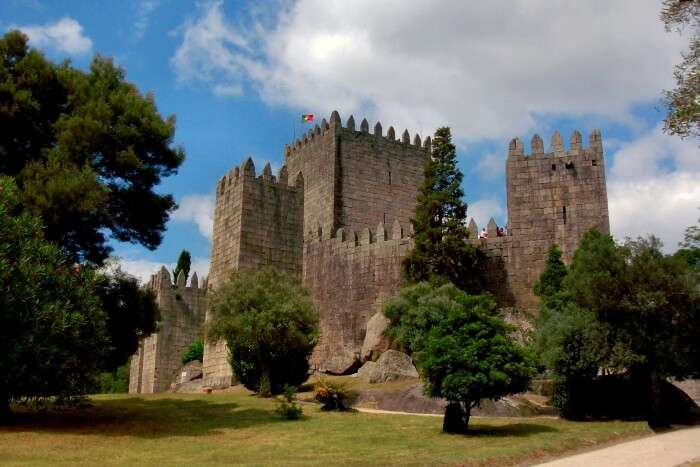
point(52, 329)
point(131, 314)
point(690, 251)
point(627, 308)
point(270, 325)
point(86, 150)
point(461, 347)
point(684, 101)
point(184, 261)
point(440, 252)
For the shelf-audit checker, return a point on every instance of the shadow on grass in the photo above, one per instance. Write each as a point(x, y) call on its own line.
point(147, 418)
point(519, 430)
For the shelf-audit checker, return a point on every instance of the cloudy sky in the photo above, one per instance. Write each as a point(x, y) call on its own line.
point(238, 75)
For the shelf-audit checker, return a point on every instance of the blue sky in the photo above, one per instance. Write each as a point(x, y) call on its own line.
point(238, 75)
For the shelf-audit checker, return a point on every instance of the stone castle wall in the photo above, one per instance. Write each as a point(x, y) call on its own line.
point(264, 217)
point(349, 277)
point(155, 364)
point(346, 185)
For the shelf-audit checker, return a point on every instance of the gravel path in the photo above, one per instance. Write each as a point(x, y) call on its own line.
point(664, 450)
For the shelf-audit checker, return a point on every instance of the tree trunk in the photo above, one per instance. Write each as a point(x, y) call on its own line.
point(456, 418)
point(656, 417)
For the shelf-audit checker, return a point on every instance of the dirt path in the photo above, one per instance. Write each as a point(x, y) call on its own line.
point(664, 450)
point(394, 412)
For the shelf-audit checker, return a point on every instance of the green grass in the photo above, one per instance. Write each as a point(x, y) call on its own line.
point(235, 427)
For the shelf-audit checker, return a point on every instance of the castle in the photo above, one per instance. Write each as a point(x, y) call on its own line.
point(338, 214)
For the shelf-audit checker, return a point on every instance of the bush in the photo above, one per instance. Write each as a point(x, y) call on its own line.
point(116, 382)
point(287, 406)
point(195, 351)
point(334, 396)
point(270, 325)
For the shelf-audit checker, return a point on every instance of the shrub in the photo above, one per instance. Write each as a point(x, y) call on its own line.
point(270, 325)
point(334, 396)
point(287, 406)
point(116, 382)
point(195, 351)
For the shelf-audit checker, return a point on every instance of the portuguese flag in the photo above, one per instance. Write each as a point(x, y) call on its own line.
point(307, 117)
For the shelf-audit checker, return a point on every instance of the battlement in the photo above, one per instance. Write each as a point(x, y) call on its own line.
point(162, 280)
point(246, 171)
point(335, 126)
point(557, 149)
point(366, 236)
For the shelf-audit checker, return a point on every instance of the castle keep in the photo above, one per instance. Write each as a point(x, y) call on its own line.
point(338, 216)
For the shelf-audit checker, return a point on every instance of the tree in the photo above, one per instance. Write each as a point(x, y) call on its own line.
point(461, 347)
point(184, 262)
point(52, 329)
point(633, 310)
point(550, 281)
point(131, 314)
point(86, 150)
point(270, 325)
point(690, 251)
point(684, 101)
point(440, 252)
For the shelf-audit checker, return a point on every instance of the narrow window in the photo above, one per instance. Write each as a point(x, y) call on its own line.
point(384, 221)
point(554, 166)
point(564, 213)
point(594, 162)
point(389, 177)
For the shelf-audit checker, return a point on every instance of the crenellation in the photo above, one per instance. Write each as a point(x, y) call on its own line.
point(364, 126)
point(406, 137)
point(391, 134)
point(378, 129)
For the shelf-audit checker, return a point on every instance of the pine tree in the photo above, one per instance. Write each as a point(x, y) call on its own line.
point(440, 252)
point(184, 261)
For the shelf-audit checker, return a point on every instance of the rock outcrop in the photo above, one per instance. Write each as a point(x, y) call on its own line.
point(392, 365)
point(376, 341)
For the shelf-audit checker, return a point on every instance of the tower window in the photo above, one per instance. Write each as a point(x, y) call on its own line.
point(554, 166)
point(594, 162)
point(389, 177)
point(563, 211)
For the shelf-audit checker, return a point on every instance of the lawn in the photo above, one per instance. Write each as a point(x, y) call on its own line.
point(235, 427)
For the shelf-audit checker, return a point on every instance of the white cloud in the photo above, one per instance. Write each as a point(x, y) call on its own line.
point(143, 17)
point(210, 51)
point(198, 209)
point(654, 187)
point(486, 68)
point(64, 35)
point(483, 210)
point(142, 269)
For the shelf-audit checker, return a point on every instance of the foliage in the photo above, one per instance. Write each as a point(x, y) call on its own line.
point(334, 395)
point(684, 101)
point(184, 261)
point(52, 329)
point(690, 252)
point(194, 351)
point(132, 313)
point(623, 308)
point(116, 382)
point(461, 347)
point(270, 325)
point(440, 252)
point(86, 149)
point(550, 282)
point(287, 406)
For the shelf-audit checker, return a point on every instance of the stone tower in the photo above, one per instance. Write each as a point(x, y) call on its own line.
point(553, 197)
